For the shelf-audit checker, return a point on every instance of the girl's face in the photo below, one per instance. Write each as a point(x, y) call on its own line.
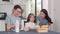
point(42, 15)
point(32, 18)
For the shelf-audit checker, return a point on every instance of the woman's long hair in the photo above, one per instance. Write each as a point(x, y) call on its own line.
point(46, 17)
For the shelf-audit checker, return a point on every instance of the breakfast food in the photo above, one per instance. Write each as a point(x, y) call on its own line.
point(43, 28)
point(26, 29)
point(37, 28)
point(9, 27)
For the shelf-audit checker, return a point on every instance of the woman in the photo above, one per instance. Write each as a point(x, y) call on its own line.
point(30, 21)
point(43, 18)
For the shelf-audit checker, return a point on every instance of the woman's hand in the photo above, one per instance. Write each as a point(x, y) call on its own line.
point(49, 24)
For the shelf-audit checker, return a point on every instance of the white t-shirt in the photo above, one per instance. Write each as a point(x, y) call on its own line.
point(30, 25)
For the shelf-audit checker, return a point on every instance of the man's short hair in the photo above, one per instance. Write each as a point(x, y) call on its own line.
point(17, 6)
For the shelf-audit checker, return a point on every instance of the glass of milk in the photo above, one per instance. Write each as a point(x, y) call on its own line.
point(17, 26)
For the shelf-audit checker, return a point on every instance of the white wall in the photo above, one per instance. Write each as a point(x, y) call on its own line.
point(51, 13)
point(57, 15)
point(6, 8)
point(54, 14)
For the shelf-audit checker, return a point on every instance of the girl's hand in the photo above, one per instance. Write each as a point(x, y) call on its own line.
point(29, 28)
point(26, 28)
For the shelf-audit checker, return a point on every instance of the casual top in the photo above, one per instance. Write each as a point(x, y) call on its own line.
point(41, 21)
point(12, 20)
point(31, 25)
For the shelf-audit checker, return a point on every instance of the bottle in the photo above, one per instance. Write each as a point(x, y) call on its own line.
point(38, 27)
point(17, 26)
point(38, 22)
point(22, 24)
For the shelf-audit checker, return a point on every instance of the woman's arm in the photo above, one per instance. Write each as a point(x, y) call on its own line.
point(49, 24)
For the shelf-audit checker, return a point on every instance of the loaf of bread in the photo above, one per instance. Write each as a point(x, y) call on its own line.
point(43, 28)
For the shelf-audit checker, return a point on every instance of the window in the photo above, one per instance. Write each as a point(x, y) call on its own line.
point(38, 3)
point(35, 6)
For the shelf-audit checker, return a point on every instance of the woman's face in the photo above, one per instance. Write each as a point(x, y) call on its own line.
point(32, 18)
point(17, 11)
point(42, 15)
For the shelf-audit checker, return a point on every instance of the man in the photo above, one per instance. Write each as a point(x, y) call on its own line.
point(11, 19)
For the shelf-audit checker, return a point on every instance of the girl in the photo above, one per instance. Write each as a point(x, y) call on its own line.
point(30, 21)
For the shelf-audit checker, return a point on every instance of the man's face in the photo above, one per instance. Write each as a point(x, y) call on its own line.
point(17, 11)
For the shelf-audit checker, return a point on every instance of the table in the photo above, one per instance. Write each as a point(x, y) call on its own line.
point(29, 32)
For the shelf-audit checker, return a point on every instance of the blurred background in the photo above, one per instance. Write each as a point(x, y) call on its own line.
point(32, 6)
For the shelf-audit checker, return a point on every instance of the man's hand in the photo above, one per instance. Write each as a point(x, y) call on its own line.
point(9, 27)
